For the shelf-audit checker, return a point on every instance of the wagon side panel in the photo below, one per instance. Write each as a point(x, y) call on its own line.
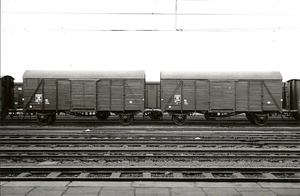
point(255, 96)
point(222, 95)
point(7, 92)
point(83, 95)
point(171, 95)
point(29, 86)
point(18, 95)
point(1, 97)
point(76, 94)
point(40, 94)
point(134, 95)
point(7, 95)
point(103, 95)
point(89, 99)
point(202, 95)
point(117, 92)
point(49, 94)
point(32, 94)
point(295, 95)
point(152, 96)
point(284, 94)
point(297, 87)
point(242, 101)
point(158, 96)
point(272, 95)
point(64, 95)
point(288, 96)
point(188, 95)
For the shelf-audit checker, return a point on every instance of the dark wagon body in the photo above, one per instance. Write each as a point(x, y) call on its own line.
point(221, 94)
point(6, 95)
point(77, 92)
point(152, 100)
point(291, 98)
point(18, 96)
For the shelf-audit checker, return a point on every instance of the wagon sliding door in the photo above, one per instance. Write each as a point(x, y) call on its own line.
point(118, 95)
point(222, 95)
point(83, 94)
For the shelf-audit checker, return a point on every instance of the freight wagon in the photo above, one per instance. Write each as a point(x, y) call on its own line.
point(125, 93)
point(6, 95)
point(220, 94)
point(18, 96)
point(291, 98)
point(48, 93)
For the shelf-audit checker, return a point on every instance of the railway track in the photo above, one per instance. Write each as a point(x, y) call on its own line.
point(288, 143)
point(146, 154)
point(150, 139)
point(188, 153)
point(84, 173)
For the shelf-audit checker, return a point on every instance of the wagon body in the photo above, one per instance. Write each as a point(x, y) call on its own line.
point(291, 97)
point(79, 92)
point(152, 100)
point(221, 92)
point(6, 95)
point(1, 97)
point(18, 95)
point(152, 95)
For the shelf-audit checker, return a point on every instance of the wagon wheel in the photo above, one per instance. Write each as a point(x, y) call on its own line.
point(260, 119)
point(208, 117)
point(45, 119)
point(102, 115)
point(126, 119)
point(179, 119)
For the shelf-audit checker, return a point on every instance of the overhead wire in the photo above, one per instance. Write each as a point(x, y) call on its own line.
point(175, 14)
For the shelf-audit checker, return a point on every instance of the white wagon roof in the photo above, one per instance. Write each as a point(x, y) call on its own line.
point(84, 74)
point(247, 75)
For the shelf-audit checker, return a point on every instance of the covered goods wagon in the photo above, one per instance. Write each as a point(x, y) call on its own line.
point(218, 94)
point(94, 92)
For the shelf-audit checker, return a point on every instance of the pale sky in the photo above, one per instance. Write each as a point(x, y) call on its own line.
point(151, 35)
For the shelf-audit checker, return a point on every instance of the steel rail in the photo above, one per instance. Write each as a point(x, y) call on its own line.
point(116, 136)
point(147, 150)
point(210, 142)
point(38, 134)
point(89, 157)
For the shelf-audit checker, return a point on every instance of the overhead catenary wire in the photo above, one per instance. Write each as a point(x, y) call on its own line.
point(153, 13)
point(175, 13)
